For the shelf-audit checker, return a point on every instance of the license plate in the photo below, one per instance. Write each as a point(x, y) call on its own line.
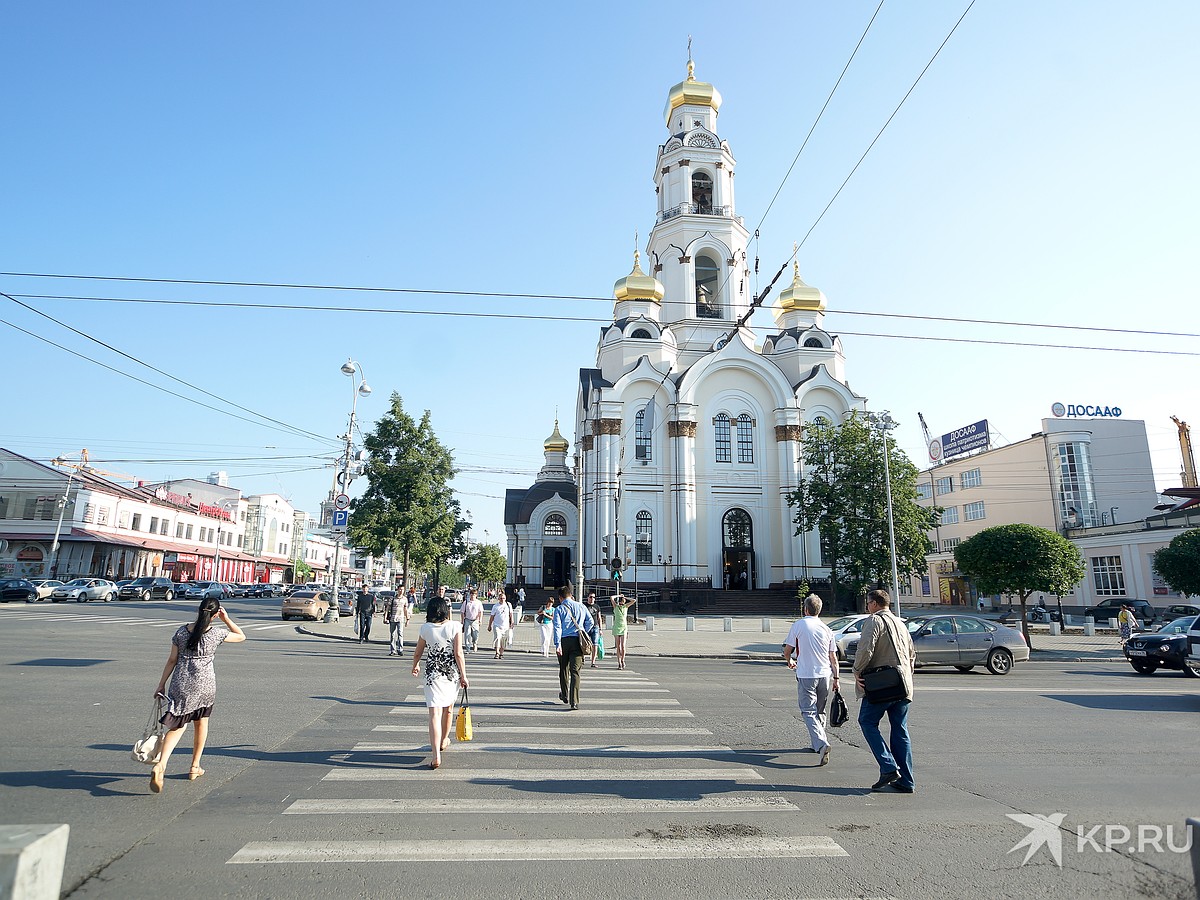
point(1137, 652)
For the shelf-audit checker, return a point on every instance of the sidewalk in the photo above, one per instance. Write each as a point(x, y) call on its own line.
point(746, 640)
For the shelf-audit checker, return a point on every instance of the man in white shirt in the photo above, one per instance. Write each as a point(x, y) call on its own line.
point(472, 617)
point(811, 650)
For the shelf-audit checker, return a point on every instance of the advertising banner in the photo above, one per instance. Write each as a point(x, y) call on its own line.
point(964, 440)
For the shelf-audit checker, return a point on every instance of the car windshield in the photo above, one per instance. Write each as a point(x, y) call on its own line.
point(142, 581)
point(914, 625)
point(1179, 626)
point(79, 582)
point(839, 624)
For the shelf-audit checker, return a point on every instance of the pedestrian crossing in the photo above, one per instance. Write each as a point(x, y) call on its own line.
point(627, 776)
point(101, 618)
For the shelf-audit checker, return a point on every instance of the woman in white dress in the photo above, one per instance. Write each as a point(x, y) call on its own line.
point(440, 643)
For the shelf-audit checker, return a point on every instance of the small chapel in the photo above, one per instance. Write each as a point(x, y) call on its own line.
point(688, 431)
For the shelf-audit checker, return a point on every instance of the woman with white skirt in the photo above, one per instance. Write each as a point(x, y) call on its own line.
point(440, 642)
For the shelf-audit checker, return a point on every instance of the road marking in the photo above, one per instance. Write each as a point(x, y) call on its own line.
point(553, 729)
point(1094, 692)
point(268, 627)
point(499, 712)
point(542, 688)
point(576, 775)
point(418, 700)
point(571, 805)
point(513, 850)
point(674, 751)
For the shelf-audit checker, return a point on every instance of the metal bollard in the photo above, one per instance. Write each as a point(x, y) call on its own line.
point(766, 625)
point(1089, 627)
point(728, 624)
point(649, 623)
point(689, 624)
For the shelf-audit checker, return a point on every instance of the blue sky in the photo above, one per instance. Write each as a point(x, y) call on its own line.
point(1043, 171)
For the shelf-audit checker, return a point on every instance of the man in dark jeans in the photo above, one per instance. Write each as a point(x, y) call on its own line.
point(885, 642)
point(570, 616)
point(364, 606)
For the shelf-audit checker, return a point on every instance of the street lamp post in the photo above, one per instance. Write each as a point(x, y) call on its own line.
point(349, 368)
point(63, 503)
point(886, 423)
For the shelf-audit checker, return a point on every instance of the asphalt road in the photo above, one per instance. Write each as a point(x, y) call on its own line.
point(677, 777)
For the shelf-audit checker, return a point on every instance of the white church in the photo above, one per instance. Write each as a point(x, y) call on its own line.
point(687, 432)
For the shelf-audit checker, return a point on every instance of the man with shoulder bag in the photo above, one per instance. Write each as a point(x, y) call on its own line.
point(883, 672)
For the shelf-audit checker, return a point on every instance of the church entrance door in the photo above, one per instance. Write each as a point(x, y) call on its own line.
point(737, 557)
point(556, 566)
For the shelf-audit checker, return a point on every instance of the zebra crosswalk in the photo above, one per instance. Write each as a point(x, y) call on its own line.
point(107, 618)
point(638, 777)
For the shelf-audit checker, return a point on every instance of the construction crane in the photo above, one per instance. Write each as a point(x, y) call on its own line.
point(1188, 474)
point(82, 467)
point(935, 454)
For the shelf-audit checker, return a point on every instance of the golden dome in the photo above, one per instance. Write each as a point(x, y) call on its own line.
point(801, 295)
point(556, 443)
point(637, 285)
point(693, 92)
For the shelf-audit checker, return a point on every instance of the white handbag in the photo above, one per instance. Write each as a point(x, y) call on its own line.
point(148, 749)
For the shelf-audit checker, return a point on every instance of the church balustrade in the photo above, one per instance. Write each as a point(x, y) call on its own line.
point(696, 209)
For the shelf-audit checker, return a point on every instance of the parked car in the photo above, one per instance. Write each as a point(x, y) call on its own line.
point(147, 589)
point(1169, 614)
point(845, 630)
point(1193, 638)
point(1166, 648)
point(45, 586)
point(1111, 608)
point(18, 589)
point(345, 603)
point(308, 604)
point(81, 590)
point(198, 590)
point(963, 642)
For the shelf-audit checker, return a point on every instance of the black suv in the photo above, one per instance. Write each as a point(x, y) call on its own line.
point(1111, 608)
point(147, 589)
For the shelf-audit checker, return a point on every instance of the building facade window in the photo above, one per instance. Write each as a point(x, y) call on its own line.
point(1076, 497)
point(641, 334)
point(187, 533)
point(136, 523)
point(950, 515)
point(1107, 576)
point(555, 526)
point(721, 438)
point(178, 529)
point(948, 544)
point(745, 438)
point(702, 193)
point(973, 512)
point(154, 525)
point(643, 538)
point(945, 485)
point(642, 445)
point(970, 478)
point(924, 490)
point(163, 526)
point(708, 304)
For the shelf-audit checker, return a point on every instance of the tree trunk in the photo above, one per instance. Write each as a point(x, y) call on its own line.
point(1024, 620)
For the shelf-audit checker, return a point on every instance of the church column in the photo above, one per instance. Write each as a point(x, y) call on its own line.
point(587, 497)
point(682, 433)
point(608, 438)
point(787, 443)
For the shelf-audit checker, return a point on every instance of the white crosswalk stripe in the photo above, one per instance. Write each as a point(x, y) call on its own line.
point(574, 774)
point(589, 749)
point(496, 712)
point(559, 805)
point(542, 729)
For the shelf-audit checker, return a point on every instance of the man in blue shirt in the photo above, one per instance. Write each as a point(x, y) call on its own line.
point(569, 617)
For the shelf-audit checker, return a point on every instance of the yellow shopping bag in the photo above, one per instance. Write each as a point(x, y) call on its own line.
point(462, 725)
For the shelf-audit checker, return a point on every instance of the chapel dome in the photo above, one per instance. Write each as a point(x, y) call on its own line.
point(691, 92)
point(556, 443)
point(637, 285)
point(801, 295)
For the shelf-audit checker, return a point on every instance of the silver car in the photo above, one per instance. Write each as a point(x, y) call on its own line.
point(82, 590)
point(966, 642)
point(45, 586)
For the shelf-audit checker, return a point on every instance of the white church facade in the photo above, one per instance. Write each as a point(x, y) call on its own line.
point(688, 432)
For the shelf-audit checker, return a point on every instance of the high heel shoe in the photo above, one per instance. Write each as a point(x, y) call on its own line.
point(194, 772)
point(156, 780)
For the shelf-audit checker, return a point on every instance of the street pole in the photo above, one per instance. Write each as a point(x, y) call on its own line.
point(886, 424)
point(349, 368)
point(63, 502)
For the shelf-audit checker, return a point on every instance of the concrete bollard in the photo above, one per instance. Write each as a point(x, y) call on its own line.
point(1112, 623)
point(766, 625)
point(649, 623)
point(728, 624)
point(1089, 627)
point(689, 624)
point(31, 861)
point(1055, 629)
point(1193, 826)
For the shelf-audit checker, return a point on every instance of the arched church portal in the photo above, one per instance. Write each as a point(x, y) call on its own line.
point(737, 540)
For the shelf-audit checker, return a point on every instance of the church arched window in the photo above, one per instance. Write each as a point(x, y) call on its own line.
point(641, 333)
point(721, 438)
point(702, 193)
point(745, 438)
point(643, 538)
point(813, 342)
point(708, 305)
point(556, 526)
point(643, 446)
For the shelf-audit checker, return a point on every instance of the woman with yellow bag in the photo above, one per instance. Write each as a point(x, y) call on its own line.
point(440, 643)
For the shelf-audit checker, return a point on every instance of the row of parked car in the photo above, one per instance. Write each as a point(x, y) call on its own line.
point(84, 590)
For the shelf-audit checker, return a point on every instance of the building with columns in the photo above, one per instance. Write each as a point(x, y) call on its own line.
point(688, 432)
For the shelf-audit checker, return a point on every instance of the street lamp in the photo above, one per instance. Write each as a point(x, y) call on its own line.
point(63, 502)
point(886, 423)
point(350, 368)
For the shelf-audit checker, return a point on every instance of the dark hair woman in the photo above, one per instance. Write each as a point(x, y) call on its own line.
point(441, 643)
point(193, 691)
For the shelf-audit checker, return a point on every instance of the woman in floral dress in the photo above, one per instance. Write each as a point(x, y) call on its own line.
point(193, 691)
point(440, 643)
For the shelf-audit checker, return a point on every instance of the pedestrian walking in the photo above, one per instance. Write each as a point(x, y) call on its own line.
point(545, 621)
point(597, 633)
point(472, 617)
point(620, 625)
point(518, 614)
point(440, 643)
point(811, 650)
point(396, 614)
point(570, 618)
point(500, 623)
point(364, 607)
point(885, 643)
point(193, 691)
point(1127, 623)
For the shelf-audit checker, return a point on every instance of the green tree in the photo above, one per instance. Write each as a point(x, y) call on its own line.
point(301, 572)
point(484, 563)
point(1020, 559)
point(408, 506)
point(842, 496)
point(1179, 563)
